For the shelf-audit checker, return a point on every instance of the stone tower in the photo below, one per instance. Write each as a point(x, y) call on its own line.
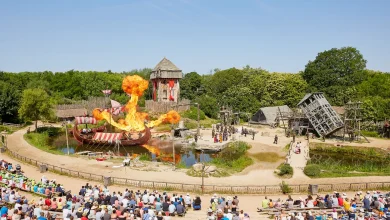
point(165, 81)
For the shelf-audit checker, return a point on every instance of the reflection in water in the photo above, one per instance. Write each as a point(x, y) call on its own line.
point(159, 150)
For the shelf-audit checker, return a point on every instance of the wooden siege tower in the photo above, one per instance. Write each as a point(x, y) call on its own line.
point(320, 113)
point(165, 81)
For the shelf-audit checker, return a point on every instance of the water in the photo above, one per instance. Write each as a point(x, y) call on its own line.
point(157, 149)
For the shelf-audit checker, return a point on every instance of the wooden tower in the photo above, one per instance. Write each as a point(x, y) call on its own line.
point(320, 113)
point(165, 81)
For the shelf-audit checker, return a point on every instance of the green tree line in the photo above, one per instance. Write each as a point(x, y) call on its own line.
point(340, 73)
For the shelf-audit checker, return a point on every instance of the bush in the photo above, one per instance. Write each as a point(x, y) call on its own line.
point(192, 113)
point(285, 188)
point(370, 134)
point(145, 157)
point(312, 170)
point(286, 169)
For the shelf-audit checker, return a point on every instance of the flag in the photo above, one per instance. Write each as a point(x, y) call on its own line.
point(116, 107)
point(115, 104)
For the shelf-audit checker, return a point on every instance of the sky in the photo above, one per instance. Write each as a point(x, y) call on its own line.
point(196, 35)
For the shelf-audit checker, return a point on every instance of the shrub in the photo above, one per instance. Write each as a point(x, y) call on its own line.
point(312, 170)
point(192, 113)
point(145, 157)
point(371, 134)
point(286, 169)
point(285, 188)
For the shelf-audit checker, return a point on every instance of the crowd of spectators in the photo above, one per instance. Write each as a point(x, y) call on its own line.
point(371, 205)
point(97, 202)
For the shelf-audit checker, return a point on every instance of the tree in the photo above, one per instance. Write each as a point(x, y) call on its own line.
point(191, 85)
point(35, 105)
point(241, 99)
point(334, 70)
point(209, 105)
point(223, 80)
point(9, 102)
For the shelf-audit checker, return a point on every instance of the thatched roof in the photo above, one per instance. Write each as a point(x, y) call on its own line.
point(268, 115)
point(166, 64)
point(339, 109)
point(70, 113)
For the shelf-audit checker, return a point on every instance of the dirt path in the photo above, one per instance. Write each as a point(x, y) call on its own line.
point(298, 161)
point(17, 143)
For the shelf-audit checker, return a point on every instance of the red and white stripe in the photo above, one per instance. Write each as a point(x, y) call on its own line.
point(85, 120)
point(101, 136)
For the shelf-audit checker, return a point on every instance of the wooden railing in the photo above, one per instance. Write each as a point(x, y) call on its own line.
point(184, 187)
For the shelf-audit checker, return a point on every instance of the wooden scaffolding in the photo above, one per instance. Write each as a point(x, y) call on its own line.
point(352, 121)
point(320, 113)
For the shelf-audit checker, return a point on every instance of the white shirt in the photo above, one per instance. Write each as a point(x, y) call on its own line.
point(12, 198)
point(125, 202)
point(151, 198)
point(17, 205)
point(37, 211)
point(187, 200)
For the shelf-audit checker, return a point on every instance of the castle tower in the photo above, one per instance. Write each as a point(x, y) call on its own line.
point(165, 81)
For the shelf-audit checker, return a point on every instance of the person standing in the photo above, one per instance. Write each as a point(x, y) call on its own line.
point(276, 139)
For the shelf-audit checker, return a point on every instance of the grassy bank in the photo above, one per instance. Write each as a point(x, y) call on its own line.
point(41, 139)
point(347, 161)
point(270, 157)
point(231, 160)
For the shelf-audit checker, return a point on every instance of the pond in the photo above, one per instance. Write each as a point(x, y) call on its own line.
point(156, 149)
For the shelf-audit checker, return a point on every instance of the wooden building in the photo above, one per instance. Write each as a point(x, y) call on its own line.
point(165, 81)
point(320, 113)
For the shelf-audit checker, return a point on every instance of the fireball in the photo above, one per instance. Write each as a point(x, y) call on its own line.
point(135, 86)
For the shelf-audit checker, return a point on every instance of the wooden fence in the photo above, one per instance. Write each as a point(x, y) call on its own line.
point(184, 187)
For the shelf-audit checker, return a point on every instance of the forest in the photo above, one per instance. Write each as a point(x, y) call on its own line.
point(340, 73)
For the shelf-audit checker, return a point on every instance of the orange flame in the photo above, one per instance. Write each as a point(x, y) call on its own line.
point(157, 152)
point(135, 121)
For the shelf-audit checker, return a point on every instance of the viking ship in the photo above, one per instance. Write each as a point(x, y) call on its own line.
point(99, 137)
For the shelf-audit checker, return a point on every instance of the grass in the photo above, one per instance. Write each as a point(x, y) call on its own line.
point(286, 148)
point(41, 141)
point(9, 129)
point(181, 165)
point(270, 157)
point(371, 134)
point(349, 161)
point(236, 165)
point(230, 160)
point(163, 128)
point(145, 157)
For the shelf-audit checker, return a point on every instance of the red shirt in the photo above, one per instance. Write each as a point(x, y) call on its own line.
point(140, 205)
point(340, 199)
point(84, 218)
point(47, 202)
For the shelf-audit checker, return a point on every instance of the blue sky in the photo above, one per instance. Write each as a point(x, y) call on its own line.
point(197, 35)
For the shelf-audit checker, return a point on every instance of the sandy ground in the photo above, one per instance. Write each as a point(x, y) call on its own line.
point(248, 203)
point(249, 177)
point(259, 174)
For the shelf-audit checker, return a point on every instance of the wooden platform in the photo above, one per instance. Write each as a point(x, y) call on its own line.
point(83, 152)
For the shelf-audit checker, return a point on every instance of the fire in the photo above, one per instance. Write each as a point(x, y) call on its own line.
point(152, 149)
point(157, 152)
point(135, 121)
